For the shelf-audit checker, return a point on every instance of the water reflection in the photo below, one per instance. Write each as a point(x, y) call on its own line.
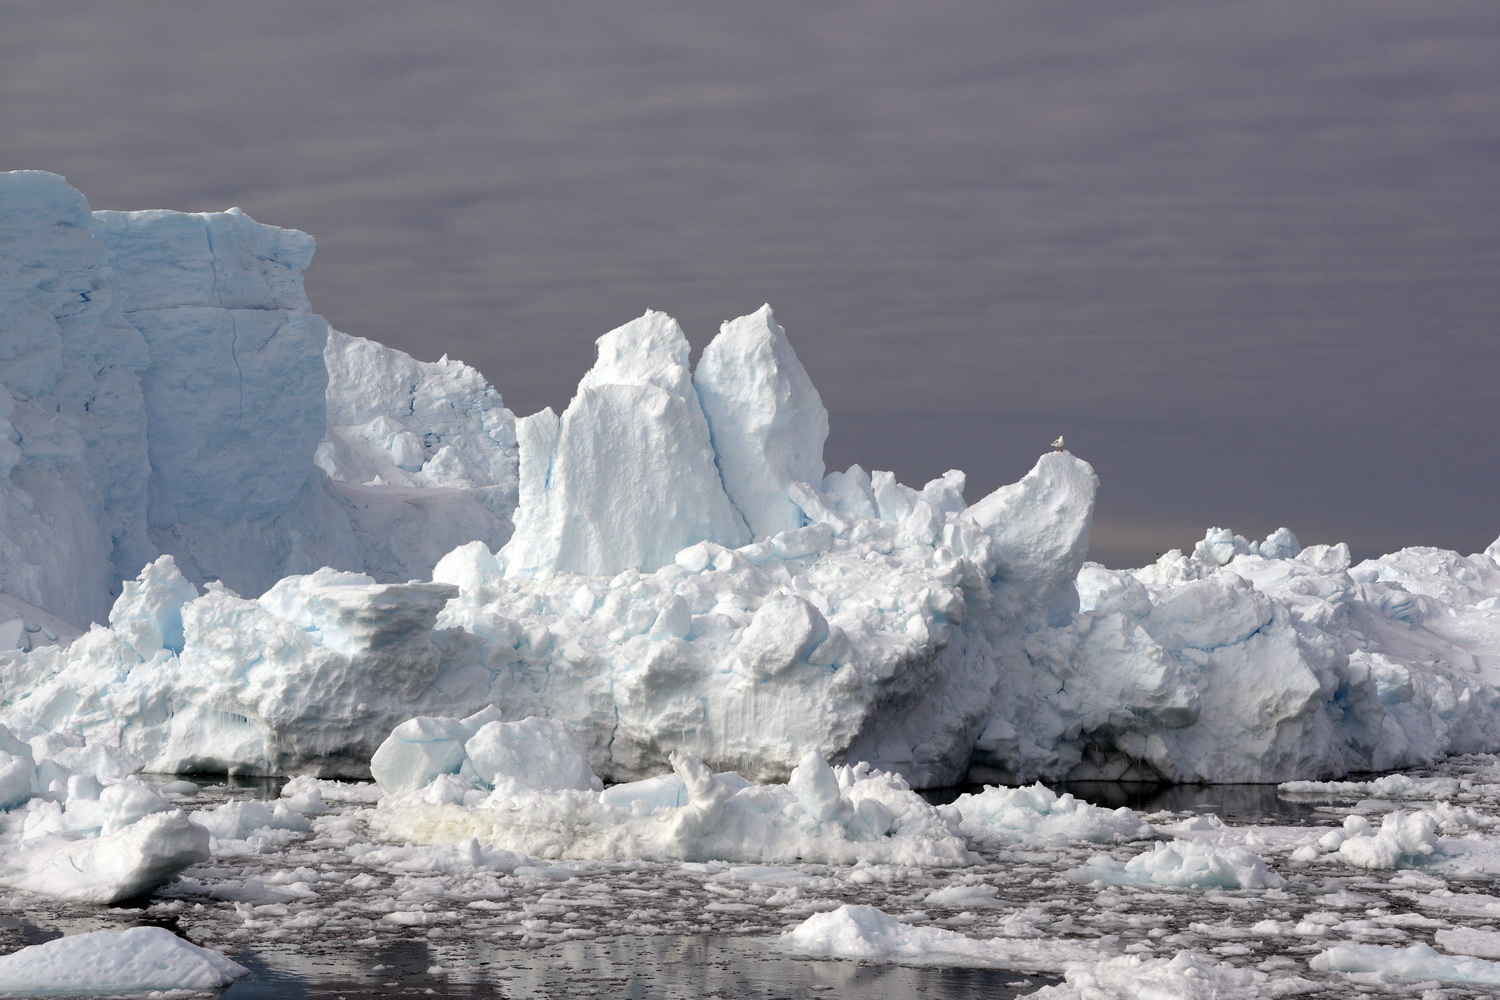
point(649, 968)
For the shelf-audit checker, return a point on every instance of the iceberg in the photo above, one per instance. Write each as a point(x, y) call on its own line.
point(234, 540)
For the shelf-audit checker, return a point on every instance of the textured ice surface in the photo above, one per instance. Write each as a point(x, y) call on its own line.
point(314, 674)
point(1234, 665)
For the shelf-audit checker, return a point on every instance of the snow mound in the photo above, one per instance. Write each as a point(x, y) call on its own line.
point(135, 960)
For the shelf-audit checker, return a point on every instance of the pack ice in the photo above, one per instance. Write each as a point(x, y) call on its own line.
point(326, 530)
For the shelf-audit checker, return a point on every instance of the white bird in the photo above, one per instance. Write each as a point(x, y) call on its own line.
point(1058, 444)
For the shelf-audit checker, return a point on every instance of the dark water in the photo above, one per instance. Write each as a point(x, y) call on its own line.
point(653, 968)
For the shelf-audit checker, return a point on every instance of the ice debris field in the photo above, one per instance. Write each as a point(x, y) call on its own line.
point(314, 654)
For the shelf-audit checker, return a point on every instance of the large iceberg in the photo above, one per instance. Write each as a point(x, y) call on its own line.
point(338, 538)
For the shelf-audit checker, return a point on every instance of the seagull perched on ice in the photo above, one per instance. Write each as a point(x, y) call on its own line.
point(1058, 444)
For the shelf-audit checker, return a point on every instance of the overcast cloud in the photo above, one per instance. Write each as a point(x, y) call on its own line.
point(1244, 255)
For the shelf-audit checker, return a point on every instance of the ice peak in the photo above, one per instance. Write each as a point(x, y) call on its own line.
point(651, 350)
point(767, 419)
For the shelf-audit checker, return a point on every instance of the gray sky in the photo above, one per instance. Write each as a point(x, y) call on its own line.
point(1246, 256)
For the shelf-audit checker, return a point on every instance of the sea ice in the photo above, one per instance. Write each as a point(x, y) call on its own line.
point(79, 825)
point(822, 814)
point(1194, 864)
point(1413, 963)
point(1184, 976)
point(869, 934)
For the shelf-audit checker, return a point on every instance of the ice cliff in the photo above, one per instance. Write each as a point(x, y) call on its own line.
point(166, 388)
point(326, 530)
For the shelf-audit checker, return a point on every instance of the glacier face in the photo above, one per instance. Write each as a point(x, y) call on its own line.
point(165, 388)
point(682, 575)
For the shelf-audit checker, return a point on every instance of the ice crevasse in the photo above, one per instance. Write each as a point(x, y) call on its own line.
point(683, 574)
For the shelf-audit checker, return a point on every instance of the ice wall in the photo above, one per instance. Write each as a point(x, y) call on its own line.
point(233, 392)
point(422, 455)
point(73, 457)
point(164, 387)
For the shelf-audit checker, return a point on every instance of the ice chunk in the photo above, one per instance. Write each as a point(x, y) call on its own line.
point(866, 933)
point(1193, 864)
point(1403, 838)
point(535, 753)
point(1414, 962)
point(134, 960)
point(125, 864)
point(1037, 815)
point(1041, 528)
point(419, 750)
point(782, 633)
